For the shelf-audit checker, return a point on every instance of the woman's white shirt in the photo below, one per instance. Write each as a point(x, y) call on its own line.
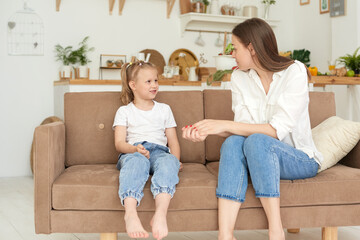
point(285, 107)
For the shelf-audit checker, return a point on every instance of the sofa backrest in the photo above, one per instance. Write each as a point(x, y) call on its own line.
point(89, 117)
point(218, 106)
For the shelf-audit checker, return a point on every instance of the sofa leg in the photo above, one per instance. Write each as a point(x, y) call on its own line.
point(293, 230)
point(329, 233)
point(108, 236)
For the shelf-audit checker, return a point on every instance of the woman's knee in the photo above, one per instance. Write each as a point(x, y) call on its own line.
point(234, 142)
point(256, 143)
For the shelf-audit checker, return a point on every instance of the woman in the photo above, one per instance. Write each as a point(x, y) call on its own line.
point(270, 137)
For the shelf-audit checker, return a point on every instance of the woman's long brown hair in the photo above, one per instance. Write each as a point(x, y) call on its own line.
point(257, 32)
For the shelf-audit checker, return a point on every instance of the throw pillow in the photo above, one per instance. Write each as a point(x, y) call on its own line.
point(334, 138)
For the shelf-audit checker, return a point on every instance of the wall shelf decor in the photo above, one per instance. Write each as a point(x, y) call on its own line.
point(111, 62)
point(25, 33)
point(200, 22)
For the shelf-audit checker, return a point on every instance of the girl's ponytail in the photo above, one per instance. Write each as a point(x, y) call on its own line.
point(126, 95)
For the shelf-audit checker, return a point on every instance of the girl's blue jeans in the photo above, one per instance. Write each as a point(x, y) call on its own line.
point(135, 169)
point(266, 159)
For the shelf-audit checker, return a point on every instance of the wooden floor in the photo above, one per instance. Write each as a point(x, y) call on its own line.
point(17, 220)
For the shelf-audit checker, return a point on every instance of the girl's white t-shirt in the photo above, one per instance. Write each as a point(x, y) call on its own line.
point(285, 106)
point(145, 125)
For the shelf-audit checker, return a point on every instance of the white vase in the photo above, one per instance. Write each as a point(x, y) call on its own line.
point(266, 10)
point(83, 72)
point(66, 70)
point(214, 7)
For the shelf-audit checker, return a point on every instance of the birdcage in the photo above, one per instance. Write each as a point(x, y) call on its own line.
point(25, 33)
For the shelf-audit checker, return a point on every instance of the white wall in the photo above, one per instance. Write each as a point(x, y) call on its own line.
point(26, 92)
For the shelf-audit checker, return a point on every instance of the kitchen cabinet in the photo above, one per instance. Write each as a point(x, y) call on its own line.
point(200, 22)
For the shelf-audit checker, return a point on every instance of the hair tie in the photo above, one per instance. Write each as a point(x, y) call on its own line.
point(130, 63)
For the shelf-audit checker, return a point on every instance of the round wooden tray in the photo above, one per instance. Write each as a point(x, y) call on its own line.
point(156, 58)
point(183, 58)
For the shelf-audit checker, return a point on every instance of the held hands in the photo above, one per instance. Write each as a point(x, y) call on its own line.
point(200, 130)
point(140, 149)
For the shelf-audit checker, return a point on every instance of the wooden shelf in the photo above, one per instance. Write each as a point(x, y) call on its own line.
point(201, 22)
point(169, 6)
point(333, 80)
point(110, 67)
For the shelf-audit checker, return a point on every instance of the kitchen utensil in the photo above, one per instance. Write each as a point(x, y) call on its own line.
point(155, 58)
point(199, 41)
point(183, 58)
point(250, 11)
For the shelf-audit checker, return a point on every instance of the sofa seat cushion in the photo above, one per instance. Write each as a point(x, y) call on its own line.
point(95, 187)
point(335, 186)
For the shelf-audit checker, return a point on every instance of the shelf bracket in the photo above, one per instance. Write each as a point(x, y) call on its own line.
point(58, 2)
point(170, 5)
point(111, 6)
point(121, 6)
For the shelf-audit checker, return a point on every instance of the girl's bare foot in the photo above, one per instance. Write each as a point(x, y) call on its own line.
point(278, 235)
point(134, 227)
point(159, 225)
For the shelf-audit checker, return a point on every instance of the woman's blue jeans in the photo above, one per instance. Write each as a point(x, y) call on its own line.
point(135, 169)
point(266, 159)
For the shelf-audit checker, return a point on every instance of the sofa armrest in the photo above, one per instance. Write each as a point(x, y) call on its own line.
point(49, 164)
point(353, 157)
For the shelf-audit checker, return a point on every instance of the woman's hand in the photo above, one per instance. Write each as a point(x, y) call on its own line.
point(141, 149)
point(191, 133)
point(212, 127)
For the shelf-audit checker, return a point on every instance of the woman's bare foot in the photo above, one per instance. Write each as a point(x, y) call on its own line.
point(159, 226)
point(134, 227)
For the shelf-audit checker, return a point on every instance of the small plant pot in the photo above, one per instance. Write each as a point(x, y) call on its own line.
point(109, 63)
point(66, 71)
point(224, 62)
point(83, 72)
point(119, 63)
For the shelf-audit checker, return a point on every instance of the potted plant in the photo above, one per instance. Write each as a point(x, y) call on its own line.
point(351, 62)
point(267, 4)
point(82, 58)
point(301, 55)
point(66, 56)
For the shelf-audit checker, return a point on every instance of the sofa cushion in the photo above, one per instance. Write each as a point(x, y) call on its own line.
point(188, 108)
point(218, 106)
point(95, 187)
point(89, 118)
point(335, 138)
point(337, 185)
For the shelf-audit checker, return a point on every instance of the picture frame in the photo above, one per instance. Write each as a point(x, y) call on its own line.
point(324, 6)
point(337, 8)
point(304, 2)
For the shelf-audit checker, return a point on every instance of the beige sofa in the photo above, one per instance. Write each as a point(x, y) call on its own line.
point(76, 181)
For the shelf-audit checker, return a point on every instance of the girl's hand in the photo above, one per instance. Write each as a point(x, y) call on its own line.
point(181, 167)
point(191, 133)
point(140, 149)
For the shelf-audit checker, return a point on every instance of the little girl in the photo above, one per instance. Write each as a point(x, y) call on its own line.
point(143, 129)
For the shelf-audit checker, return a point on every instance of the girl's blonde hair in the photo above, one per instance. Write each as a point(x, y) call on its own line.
point(129, 72)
